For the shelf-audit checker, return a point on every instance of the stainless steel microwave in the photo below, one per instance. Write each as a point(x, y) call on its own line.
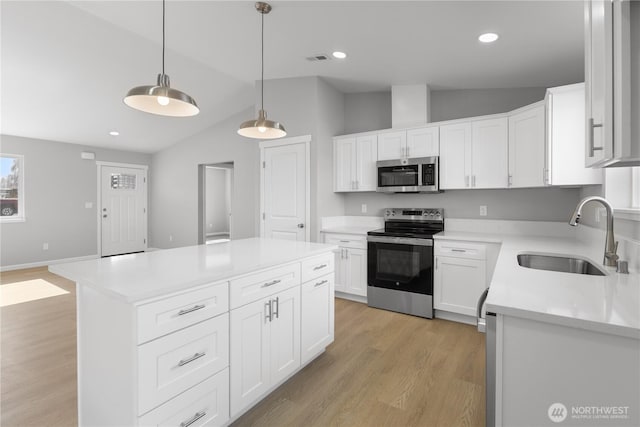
point(419, 175)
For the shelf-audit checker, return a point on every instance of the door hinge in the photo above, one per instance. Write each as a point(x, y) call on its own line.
point(144, 180)
point(145, 241)
point(264, 165)
point(144, 210)
point(264, 216)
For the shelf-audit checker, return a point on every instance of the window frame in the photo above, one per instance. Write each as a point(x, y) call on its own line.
point(622, 189)
point(21, 217)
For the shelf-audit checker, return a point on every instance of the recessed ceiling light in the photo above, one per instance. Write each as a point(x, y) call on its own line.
point(339, 55)
point(488, 37)
point(114, 133)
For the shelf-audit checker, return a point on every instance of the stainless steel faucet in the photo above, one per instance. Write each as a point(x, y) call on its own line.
point(610, 246)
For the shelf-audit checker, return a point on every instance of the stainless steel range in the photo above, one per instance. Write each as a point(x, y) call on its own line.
point(400, 261)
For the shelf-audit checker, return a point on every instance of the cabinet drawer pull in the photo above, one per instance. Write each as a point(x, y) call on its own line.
point(271, 283)
point(193, 419)
point(458, 250)
point(192, 358)
point(191, 310)
point(344, 241)
point(321, 266)
point(320, 283)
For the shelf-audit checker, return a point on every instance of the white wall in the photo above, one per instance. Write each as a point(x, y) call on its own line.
point(367, 111)
point(174, 183)
point(217, 200)
point(458, 104)
point(58, 183)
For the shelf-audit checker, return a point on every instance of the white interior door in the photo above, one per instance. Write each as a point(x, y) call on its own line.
point(285, 188)
point(123, 209)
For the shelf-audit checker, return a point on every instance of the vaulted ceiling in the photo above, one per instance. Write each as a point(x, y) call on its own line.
point(66, 65)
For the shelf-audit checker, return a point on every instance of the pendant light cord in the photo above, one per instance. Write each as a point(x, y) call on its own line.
point(262, 70)
point(163, 14)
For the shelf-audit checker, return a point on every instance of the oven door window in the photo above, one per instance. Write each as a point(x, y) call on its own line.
point(400, 266)
point(398, 176)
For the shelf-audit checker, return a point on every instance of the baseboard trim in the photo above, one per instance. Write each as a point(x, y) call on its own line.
point(351, 297)
point(455, 317)
point(45, 263)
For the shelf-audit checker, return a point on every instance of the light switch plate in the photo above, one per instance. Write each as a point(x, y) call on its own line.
point(483, 210)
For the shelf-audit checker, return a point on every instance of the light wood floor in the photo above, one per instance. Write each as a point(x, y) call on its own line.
point(384, 369)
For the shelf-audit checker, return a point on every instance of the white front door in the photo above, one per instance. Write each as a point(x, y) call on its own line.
point(285, 192)
point(123, 209)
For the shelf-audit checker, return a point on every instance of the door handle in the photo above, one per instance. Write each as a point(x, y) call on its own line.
point(592, 147)
point(301, 225)
point(276, 312)
point(267, 309)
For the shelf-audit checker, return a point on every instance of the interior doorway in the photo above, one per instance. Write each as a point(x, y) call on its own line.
point(215, 203)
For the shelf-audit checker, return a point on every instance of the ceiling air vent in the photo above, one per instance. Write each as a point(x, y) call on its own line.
point(319, 57)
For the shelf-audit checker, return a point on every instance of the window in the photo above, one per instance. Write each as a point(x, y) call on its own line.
point(11, 187)
point(622, 189)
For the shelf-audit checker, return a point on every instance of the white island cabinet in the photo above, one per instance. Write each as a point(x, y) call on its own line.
point(197, 335)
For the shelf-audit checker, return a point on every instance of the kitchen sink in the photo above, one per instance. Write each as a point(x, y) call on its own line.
point(559, 263)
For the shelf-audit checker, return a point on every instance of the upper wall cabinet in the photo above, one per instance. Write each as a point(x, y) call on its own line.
point(565, 138)
point(474, 154)
point(527, 146)
point(612, 44)
point(420, 142)
point(354, 163)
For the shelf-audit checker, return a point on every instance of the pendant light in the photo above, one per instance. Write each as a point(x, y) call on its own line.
point(262, 128)
point(161, 99)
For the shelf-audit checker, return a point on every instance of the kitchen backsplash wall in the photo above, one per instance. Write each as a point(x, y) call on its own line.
point(539, 204)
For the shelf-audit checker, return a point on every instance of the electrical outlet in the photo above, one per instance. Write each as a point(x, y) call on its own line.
point(364, 208)
point(483, 210)
point(88, 205)
point(45, 246)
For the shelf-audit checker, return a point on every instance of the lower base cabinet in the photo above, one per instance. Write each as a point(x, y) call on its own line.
point(317, 301)
point(265, 348)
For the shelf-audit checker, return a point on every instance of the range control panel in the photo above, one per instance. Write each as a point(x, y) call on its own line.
point(414, 214)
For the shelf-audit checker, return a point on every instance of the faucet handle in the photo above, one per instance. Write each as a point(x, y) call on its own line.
point(622, 267)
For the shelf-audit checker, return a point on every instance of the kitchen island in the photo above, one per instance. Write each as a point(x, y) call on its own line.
point(197, 335)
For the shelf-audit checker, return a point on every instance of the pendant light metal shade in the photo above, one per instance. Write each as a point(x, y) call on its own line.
point(161, 99)
point(261, 128)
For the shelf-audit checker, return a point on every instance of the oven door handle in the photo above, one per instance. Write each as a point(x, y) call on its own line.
point(400, 240)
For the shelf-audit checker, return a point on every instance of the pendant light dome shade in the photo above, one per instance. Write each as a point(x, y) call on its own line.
point(162, 99)
point(261, 128)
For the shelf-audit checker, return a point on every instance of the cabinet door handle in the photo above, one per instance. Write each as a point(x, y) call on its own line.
point(510, 180)
point(436, 263)
point(191, 310)
point(320, 283)
point(267, 310)
point(473, 180)
point(466, 180)
point(271, 283)
point(193, 419)
point(276, 312)
point(320, 267)
point(592, 147)
point(192, 358)
point(346, 253)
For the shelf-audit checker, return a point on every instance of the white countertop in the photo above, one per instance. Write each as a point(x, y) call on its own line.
point(358, 225)
point(608, 304)
point(348, 230)
point(137, 277)
point(468, 236)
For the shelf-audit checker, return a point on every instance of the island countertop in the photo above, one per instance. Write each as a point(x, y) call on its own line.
point(136, 277)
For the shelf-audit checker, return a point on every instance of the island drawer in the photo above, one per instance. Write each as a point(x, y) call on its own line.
point(167, 315)
point(205, 404)
point(262, 284)
point(317, 266)
point(170, 365)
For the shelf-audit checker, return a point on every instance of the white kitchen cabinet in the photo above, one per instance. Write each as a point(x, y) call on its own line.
point(392, 145)
point(565, 138)
point(351, 263)
point(460, 276)
point(355, 163)
point(317, 311)
point(411, 143)
point(527, 146)
point(612, 39)
point(474, 154)
point(265, 348)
